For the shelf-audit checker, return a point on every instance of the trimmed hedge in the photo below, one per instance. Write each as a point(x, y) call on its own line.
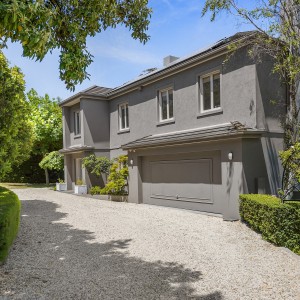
point(10, 207)
point(278, 223)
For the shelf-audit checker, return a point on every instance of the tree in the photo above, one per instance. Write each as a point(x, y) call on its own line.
point(278, 35)
point(97, 165)
point(44, 25)
point(52, 161)
point(46, 119)
point(15, 128)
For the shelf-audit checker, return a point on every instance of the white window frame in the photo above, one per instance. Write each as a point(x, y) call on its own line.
point(77, 125)
point(211, 75)
point(122, 105)
point(160, 105)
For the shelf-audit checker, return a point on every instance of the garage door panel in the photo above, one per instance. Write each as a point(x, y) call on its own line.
point(181, 180)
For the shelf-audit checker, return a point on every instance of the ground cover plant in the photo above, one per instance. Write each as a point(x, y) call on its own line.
point(10, 206)
point(277, 222)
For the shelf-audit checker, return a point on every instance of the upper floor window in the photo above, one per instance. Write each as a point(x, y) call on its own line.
point(210, 95)
point(166, 104)
point(123, 116)
point(77, 123)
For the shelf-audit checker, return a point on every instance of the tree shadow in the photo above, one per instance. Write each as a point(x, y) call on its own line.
point(67, 263)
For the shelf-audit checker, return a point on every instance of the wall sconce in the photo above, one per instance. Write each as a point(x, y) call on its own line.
point(131, 162)
point(230, 155)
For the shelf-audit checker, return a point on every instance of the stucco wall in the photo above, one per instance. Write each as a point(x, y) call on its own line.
point(95, 123)
point(228, 183)
point(237, 93)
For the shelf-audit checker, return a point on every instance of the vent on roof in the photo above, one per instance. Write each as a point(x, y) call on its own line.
point(169, 59)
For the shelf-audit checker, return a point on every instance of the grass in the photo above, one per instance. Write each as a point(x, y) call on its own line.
point(26, 185)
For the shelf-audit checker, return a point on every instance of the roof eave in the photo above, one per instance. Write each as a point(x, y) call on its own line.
point(173, 142)
point(79, 96)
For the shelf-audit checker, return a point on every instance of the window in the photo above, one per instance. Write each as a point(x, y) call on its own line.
point(77, 123)
point(210, 96)
point(166, 105)
point(123, 116)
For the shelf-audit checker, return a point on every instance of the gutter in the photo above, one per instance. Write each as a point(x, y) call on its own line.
point(193, 140)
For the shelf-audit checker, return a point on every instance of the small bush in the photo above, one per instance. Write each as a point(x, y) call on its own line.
point(95, 190)
point(278, 223)
point(10, 207)
point(117, 180)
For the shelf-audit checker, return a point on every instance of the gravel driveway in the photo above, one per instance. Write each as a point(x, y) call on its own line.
point(72, 247)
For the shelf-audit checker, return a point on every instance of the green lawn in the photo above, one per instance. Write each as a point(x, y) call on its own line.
point(26, 185)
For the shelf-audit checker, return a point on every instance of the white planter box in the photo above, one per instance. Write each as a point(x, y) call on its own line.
point(80, 189)
point(61, 187)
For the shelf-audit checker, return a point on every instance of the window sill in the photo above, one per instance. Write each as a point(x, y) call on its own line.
point(215, 111)
point(165, 122)
point(124, 131)
point(77, 137)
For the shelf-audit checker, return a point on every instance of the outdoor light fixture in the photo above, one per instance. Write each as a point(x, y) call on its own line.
point(230, 155)
point(131, 162)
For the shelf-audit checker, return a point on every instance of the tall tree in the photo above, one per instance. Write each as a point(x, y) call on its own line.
point(15, 128)
point(277, 23)
point(43, 25)
point(46, 119)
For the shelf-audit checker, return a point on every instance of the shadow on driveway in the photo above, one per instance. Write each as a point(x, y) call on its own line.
point(52, 260)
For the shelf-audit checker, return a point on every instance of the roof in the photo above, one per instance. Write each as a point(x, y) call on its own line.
point(187, 61)
point(199, 134)
point(184, 60)
point(93, 91)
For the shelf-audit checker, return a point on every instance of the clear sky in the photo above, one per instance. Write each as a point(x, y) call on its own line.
point(176, 28)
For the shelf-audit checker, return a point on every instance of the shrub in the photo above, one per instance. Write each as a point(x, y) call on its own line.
point(97, 165)
point(278, 223)
point(95, 190)
point(10, 207)
point(79, 182)
point(117, 179)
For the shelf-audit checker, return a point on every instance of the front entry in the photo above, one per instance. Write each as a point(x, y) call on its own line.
point(78, 169)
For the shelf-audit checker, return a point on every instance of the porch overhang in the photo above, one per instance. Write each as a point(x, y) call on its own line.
point(211, 133)
point(76, 149)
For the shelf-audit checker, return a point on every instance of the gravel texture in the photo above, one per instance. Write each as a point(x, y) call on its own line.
point(72, 247)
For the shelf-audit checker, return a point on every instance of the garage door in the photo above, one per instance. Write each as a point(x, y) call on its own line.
point(182, 183)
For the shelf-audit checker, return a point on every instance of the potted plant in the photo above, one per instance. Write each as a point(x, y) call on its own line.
point(117, 185)
point(80, 187)
point(61, 185)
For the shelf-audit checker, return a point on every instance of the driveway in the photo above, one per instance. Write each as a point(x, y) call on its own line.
point(73, 247)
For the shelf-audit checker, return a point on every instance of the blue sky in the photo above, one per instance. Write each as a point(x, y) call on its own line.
point(176, 28)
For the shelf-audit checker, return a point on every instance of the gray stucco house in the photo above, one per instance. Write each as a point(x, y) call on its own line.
point(198, 132)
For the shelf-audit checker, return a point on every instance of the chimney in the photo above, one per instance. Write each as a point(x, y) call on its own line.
point(169, 59)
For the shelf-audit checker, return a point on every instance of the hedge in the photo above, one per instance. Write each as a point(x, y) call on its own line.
point(10, 207)
point(278, 223)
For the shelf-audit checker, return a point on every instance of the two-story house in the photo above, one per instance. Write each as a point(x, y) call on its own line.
point(198, 132)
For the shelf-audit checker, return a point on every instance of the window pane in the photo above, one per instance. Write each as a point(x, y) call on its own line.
point(170, 104)
point(164, 103)
point(78, 123)
point(206, 93)
point(217, 89)
point(122, 117)
point(127, 117)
